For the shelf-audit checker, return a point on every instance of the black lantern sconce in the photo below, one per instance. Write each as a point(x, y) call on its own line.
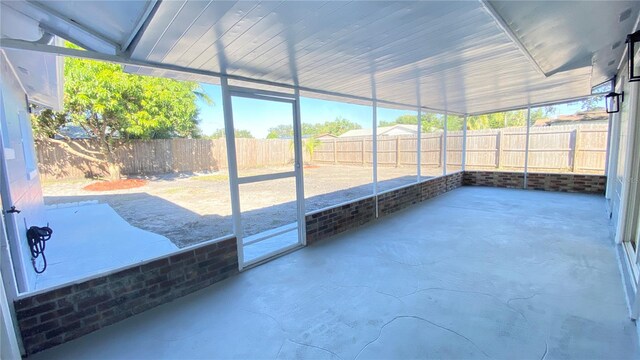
point(612, 102)
point(633, 40)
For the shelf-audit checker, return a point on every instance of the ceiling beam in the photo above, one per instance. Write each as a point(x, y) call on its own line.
point(55, 23)
point(141, 25)
point(512, 36)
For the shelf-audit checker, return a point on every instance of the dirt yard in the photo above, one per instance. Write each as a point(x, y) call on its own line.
point(189, 209)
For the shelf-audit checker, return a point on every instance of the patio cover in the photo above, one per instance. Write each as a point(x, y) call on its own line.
point(460, 56)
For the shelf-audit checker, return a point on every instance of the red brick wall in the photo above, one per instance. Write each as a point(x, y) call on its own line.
point(592, 184)
point(494, 179)
point(326, 223)
point(55, 317)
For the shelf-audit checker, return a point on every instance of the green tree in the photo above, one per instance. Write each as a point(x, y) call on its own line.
point(517, 118)
point(592, 103)
point(240, 133)
point(430, 121)
point(113, 107)
point(280, 131)
point(336, 127)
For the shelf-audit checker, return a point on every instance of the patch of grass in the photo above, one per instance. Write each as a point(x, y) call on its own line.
point(64, 181)
point(212, 177)
point(174, 190)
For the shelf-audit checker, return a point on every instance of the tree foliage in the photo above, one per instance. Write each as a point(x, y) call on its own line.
point(592, 103)
point(432, 122)
point(240, 133)
point(336, 127)
point(113, 106)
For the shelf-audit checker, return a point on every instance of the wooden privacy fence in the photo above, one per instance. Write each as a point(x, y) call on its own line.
point(570, 148)
point(554, 149)
point(163, 156)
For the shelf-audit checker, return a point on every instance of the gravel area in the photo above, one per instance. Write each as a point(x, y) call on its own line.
point(189, 209)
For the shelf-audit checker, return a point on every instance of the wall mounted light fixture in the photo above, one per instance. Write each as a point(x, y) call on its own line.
point(633, 40)
point(612, 102)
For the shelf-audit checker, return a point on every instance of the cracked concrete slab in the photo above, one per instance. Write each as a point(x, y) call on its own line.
point(476, 273)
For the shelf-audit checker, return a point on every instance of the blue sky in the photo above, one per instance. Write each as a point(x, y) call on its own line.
point(258, 116)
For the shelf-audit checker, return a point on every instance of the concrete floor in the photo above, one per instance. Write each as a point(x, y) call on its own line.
point(475, 273)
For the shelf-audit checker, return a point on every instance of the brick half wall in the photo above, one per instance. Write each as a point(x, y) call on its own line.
point(332, 221)
point(589, 184)
point(578, 183)
point(54, 317)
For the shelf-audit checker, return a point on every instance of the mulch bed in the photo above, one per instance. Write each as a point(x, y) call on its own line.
point(116, 185)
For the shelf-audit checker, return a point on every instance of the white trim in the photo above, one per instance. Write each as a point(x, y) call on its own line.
point(608, 147)
point(444, 145)
point(511, 35)
point(141, 22)
point(248, 92)
point(266, 177)
point(419, 149)
point(612, 171)
point(464, 143)
point(271, 255)
point(285, 229)
point(8, 326)
point(526, 148)
point(8, 278)
point(234, 191)
point(266, 95)
point(299, 159)
point(374, 150)
point(263, 97)
point(630, 255)
point(623, 213)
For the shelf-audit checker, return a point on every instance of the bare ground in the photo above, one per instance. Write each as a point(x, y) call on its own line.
point(189, 209)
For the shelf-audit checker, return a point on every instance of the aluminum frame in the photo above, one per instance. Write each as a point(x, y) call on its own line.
point(526, 147)
point(464, 143)
point(228, 93)
point(444, 145)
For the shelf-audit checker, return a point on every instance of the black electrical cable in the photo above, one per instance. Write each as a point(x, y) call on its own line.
point(37, 238)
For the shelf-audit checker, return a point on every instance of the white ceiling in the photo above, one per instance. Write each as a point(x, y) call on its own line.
point(452, 55)
point(40, 74)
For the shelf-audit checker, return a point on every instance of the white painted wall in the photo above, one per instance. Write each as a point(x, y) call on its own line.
point(620, 129)
point(19, 177)
point(9, 348)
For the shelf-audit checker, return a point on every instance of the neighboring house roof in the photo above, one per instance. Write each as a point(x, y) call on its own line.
point(72, 132)
point(591, 117)
point(394, 130)
point(326, 136)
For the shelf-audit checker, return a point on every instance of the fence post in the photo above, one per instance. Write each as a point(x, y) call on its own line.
point(576, 138)
point(335, 151)
point(363, 144)
point(498, 148)
point(441, 157)
point(398, 151)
